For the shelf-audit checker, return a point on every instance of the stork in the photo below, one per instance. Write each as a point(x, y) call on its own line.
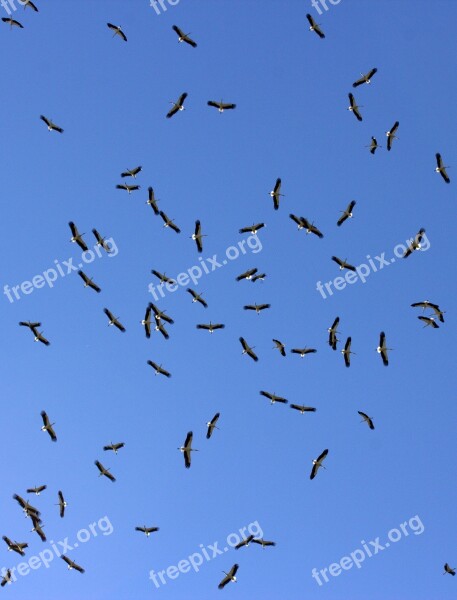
point(198, 236)
point(343, 264)
point(211, 425)
point(263, 543)
point(276, 193)
point(436, 309)
point(303, 351)
point(257, 307)
point(302, 409)
point(247, 274)
point(365, 418)
point(132, 172)
point(76, 237)
point(177, 106)
point(373, 145)
point(169, 222)
point(158, 369)
point(311, 228)
point(113, 320)
point(15, 546)
point(221, 106)
point(248, 350)
point(391, 135)
point(12, 22)
point(184, 37)
point(187, 449)
point(244, 542)
point(346, 352)
point(382, 349)
point(101, 241)
point(152, 200)
point(332, 331)
point(315, 27)
point(89, 282)
point(50, 125)
point(229, 577)
point(103, 471)
point(146, 322)
point(441, 168)
point(117, 31)
point(365, 78)
point(114, 447)
point(47, 426)
point(71, 564)
point(347, 214)
point(354, 107)
point(197, 297)
point(280, 346)
point(128, 188)
point(273, 398)
point(36, 490)
point(448, 569)
point(317, 464)
point(147, 530)
point(62, 504)
point(253, 229)
point(415, 244)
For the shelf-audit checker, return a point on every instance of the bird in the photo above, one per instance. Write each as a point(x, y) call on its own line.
point(158, 369)
point(382, 348)
point(415, 243)
point(263, 543)
point(197, 236)
point(436, 309)
point(39, 337)
point(346, 352)
point(347, 214)
point(276, 193)
point(253, 229)
point(448, 569)
point(101, 241)
point(354, 107)
point(317, 463)
point(373, 145)
point(104, 471)
point(62, 504)
point(248, 350)
point(230, 576)
point(260, 277)
point(187, 449)
point(257, 307)
point(244, 542)
point(280, 346)
point(310, 228)
point(221, 106)
point(391, 135)
point(12, 22)
point(441, 169)
point(169, 222)
point(211, 327)
point(31, 4)
point(113, 320)
point(365, 78)
point(332, 331)
point(184, 37)
point(128, 188)
point(47, 426)
point(51, 126)
point(302, 409)
point(71, 564)
point(343, 264)
point(131, 172)
point(247, 274)
point(6, 578)
point(147, 530)
point(117, 31)
point(368, 420)
point(114, 447)
point(152, 201)
point(160, 327)
point(300, 221)
point(38, 527)
point(429, 321)
point(147, 320)
point(160, 315)
point(211, 425)
point(36, 490)
point(273, 398)
point(88, 282)
point(15, 546)
point(163, 278)
point(315, 27)
point(76, 237)
point(177, 106)
point(303, 351)
point(197, 297)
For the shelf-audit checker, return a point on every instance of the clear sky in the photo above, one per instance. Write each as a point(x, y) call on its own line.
point(291, 121)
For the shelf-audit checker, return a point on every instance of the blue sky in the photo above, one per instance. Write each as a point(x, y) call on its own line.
point(291, 121)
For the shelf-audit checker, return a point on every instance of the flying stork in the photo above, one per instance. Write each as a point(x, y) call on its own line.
point(230, 576)
point(211, 327)
point(273, 398)
point(146, 322)
point(114, 447)
point(260, 277)
point(302, 409)
point(132, 172)
point(276, 193)
point(448, 569)
point(221, 106)
point(47, 426)
point(211, 425)
point(51, 126)
point(440, 168)
point(158, 369)
point(160, 315)
point(197, 297)
point(71, 564)
point(373, 145)
point(415, 243)
point(354, 107)
point(36, 490)
point(347, 214)
point(311, 228)
point(263, 543)
point(152, 200)
point(300, 221)
point(198, 235)
point(184, 37)
point(343, 264)
point(117, 31)
point(247, 274)
point(177, 106)
point(163, 278)
point(6, 578)
point(244, 542)
point(365, 78)
point(257, 307)
point(303, 351)
point(248, 350)
point(280, 346)
point(332, 331)
point(253, 229)
point(101, 241)
point(368, 420)
point(317, 463)
point(12, 22)
point(76, 237)
point(391, 135)
point(187, 449)
point(62, 504)
point(15, 546)
point(31, 4)
point(113, 320)
point(38, 336)
point(147, 530)
point(169, 222)
point(88, 282)
point(382, 348)
point(104, 471)
point(429, 321)
point(38, 527)
point(128, 188)
point(346, 352)
point(315, 27)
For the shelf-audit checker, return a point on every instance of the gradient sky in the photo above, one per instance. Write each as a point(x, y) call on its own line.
point(291, 121)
